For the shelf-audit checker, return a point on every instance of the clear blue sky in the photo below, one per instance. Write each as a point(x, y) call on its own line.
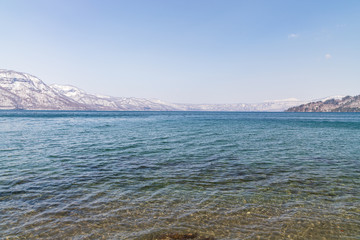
point(188, 51)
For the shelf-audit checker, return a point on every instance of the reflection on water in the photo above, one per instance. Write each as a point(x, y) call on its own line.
point(179, 175)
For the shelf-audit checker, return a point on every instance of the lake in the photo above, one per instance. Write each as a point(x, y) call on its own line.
point(161, 175)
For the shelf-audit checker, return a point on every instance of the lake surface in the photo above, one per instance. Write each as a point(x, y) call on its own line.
point(152, 175)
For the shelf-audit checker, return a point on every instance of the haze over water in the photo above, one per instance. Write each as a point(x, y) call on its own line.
point(140, 175)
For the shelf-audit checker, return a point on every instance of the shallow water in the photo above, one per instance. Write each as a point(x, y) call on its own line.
point(145, 175)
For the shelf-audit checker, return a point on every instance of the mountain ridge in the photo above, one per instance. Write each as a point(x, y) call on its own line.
point(24, 91)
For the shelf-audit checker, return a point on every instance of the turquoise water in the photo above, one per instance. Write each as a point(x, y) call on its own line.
point(158, 175)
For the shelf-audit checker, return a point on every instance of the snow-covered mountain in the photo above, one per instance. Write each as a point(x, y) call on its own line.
point(24, 91)
point(80, 96)
point(107, 103)
point(268, 106)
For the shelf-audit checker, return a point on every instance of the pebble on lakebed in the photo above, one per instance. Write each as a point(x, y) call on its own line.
point(182, 236)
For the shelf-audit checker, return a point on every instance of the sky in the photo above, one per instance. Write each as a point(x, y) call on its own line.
point(187, 51)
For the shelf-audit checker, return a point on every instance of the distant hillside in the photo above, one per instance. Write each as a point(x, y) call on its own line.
point(345, 104)
point(24, 91)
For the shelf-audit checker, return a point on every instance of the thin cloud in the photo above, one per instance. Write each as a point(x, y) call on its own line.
point(340, 25)
point(293, 35)
point(328, 56)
